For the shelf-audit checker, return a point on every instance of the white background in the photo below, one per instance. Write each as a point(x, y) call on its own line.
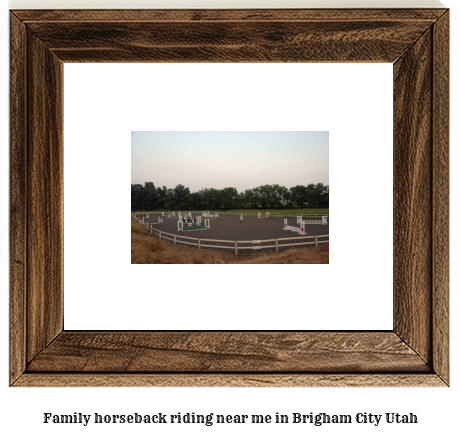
point(22, 410)
point(104, 291)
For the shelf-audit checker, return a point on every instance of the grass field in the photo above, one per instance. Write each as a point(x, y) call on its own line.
point(271, 211)
point(148, 249)
point(279, 211)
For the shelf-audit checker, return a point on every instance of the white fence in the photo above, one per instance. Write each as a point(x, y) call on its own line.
point(236, 245)
point(241, 245)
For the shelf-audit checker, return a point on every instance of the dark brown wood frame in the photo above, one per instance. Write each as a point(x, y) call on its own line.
point(414, 353)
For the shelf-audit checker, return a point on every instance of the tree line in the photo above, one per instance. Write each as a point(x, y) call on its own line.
point(149, 197)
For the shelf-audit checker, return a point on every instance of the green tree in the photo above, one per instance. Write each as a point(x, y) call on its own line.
point(324, 196)
point(249, 199)
point(281, 193)
point(264, 196)
point(299, 196)
point(162, 198)
point(228, 198)
point(215, 196)
point(169, 200)
point(150, 196)
point(137, 197)
point(179, 194)
point(192, 201)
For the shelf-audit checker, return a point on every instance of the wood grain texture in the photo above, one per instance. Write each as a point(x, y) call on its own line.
point(229, 35)
point(45, 178)
point(18, 207)
point(441, 211)
point(184, 15)
point(242, 41)
point(230, 380)
point(414, 354)
point(236, 352)
point(413, 196)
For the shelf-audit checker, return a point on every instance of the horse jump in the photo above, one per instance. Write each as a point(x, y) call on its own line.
point(302, 224)
point(323, 221)
point(259, 214)
point(197, 223)
point(208, 214)
point(299, 229)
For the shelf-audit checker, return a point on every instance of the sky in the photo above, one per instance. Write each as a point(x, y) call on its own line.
point(242, 160)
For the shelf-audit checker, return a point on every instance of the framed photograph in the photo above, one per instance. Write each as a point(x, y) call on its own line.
point(414, 353)
point(230, 185)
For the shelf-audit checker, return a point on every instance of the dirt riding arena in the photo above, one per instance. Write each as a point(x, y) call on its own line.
point(256, 232)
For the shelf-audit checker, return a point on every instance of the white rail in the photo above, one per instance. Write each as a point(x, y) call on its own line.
point(255, 244)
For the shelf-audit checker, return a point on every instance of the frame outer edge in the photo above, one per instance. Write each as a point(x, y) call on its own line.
point(45, 182)
point(257, 352)
point(229, 380)
point(18, 206)
point(19, 194)
point(413, 221)
point(441, 216)
point(187, 14)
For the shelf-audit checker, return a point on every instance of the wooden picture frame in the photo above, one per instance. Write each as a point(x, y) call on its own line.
point(414, 353)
